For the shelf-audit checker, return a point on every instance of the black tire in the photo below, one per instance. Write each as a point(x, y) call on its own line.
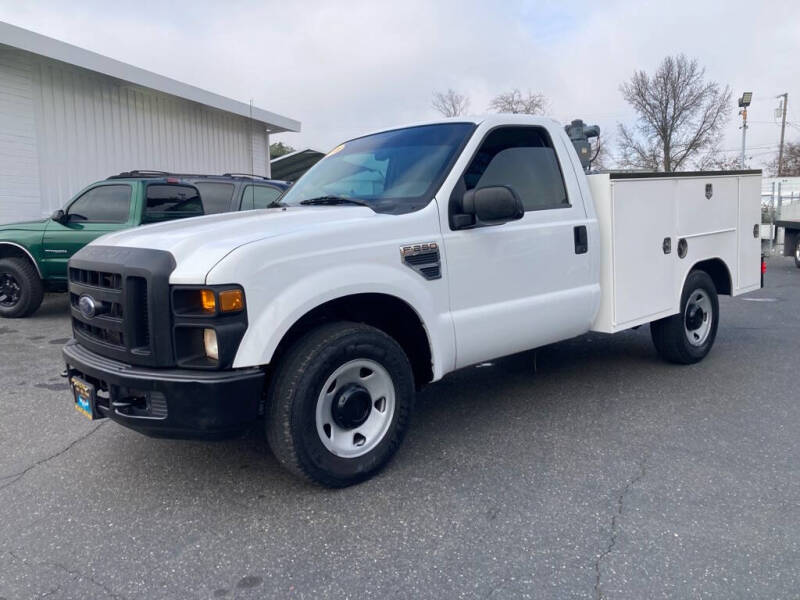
point(296, 388)
point(671, 336)
point(21, 288)
point(797, 253)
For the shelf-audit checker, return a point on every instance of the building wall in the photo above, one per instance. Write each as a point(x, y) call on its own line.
point(19, 161)
point(63, 127)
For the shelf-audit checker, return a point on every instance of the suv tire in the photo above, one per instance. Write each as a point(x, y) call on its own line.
point(21, 288)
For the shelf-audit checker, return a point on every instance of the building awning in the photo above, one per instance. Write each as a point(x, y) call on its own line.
point(290, 167)
point(35, 43)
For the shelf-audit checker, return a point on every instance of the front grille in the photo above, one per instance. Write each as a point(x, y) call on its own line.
point(100, 279)
point(102, 334)
point(129, 293)
point(104, 289)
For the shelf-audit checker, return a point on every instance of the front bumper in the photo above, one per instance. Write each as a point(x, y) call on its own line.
point(174, 403)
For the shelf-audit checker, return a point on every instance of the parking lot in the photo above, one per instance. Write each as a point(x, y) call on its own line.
point(588, 469)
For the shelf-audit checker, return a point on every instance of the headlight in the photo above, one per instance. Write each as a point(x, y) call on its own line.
point(208, 302)
point(210, 343)
point(208, 323)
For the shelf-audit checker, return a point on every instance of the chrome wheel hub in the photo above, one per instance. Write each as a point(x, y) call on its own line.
point(355, 408)
point(698, 317)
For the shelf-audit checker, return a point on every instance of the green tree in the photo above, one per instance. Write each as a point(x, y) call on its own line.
point(279, 149)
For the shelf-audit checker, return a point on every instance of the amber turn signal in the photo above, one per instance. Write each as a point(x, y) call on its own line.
point(207, 301)
point(231, 301)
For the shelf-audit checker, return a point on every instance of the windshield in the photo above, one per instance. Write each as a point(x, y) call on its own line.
point(394, 171)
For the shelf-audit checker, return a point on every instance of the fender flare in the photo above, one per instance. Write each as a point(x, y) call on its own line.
point(27, 252)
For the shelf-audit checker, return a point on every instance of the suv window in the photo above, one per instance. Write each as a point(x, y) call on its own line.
point(166, 202)
point(216, 196)
point(259, 196)
point(102, 204)
point(524, 159)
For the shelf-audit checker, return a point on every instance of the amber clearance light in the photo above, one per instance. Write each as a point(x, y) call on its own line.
point(231, 301)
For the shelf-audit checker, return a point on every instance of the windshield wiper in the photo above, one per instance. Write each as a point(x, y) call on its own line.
point(332, 200)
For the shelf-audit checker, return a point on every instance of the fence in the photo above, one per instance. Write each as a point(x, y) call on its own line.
point(780, 200)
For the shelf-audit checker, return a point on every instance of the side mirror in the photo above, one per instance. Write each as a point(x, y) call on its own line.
point(492, 205)
point(59, 216)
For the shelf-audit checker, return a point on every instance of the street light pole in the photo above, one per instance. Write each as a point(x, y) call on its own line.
point(744, 102)
point(785, 97)
point(744, 132)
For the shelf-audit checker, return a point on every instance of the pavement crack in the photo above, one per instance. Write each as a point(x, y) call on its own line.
point(76, 575)
point(13, 478)
point(615, 518)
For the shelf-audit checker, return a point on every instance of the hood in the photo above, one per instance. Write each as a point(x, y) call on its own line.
point(200, 243)
point(25, 226)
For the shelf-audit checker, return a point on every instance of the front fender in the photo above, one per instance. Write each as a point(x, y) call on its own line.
point(271, 315)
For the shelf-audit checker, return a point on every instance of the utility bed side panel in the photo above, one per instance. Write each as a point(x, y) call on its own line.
point(710, 215)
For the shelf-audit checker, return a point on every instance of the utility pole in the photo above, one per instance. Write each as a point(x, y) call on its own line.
point(744, 102)
point(785, 97)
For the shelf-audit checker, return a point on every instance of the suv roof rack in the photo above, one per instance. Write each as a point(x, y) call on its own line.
point(249, 175)
point(140, 173)
point(152, 173)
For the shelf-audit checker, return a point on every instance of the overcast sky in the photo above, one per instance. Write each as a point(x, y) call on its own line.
point(345, 68)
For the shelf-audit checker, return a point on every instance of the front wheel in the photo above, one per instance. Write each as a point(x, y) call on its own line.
point(339, 404)
point(21, 289)
point(687, 337)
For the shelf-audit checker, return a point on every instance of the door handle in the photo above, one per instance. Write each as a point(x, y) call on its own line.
point(581, 239)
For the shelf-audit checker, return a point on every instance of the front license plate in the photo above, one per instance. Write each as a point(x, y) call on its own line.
point(84, 397)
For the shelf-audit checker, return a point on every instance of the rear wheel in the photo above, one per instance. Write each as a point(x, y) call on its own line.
point(687, 337)
point(339, 404)
point(21, 289)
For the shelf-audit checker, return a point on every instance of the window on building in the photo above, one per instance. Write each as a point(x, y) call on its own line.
point(166, 202)
point(216, 196)
point(524, 159)
point(259, 196)
point(102, 204)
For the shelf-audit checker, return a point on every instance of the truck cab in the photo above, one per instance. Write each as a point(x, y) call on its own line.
point(398, 258)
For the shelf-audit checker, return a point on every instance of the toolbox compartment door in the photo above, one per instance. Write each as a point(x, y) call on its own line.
point(644, 278)
point(748, 276)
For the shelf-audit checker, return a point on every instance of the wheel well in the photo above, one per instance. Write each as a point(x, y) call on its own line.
point(389, 314)
point(8, 250)
point(718, 271)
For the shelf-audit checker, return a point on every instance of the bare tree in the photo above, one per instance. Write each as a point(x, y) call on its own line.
point(515, 102)
point(717, 160)
point(791, 161)
point(450, 103)
point(602, 159)
point(680, 115)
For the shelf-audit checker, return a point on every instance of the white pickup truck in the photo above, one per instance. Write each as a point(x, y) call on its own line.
point(400, 257)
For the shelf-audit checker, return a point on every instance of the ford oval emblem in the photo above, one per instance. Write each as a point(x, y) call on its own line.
point(87, 306)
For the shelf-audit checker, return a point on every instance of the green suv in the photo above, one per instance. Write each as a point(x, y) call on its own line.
point(34, 255)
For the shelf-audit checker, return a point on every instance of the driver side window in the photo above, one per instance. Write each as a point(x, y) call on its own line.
point(522, 158)
point(102, 204)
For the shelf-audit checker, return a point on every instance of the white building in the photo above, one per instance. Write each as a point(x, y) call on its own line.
point(69, 117)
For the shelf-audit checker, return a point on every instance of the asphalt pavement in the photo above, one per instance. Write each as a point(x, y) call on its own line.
point(587, 469)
